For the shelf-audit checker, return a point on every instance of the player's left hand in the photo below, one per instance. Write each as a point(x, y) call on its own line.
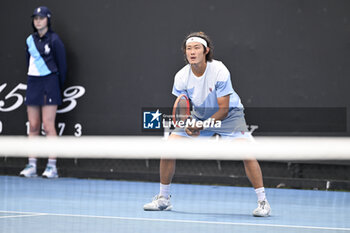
point(193, 131)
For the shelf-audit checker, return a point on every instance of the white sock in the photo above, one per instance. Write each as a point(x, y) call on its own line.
point(164, 190)
point(260, 192)
point(32, 161)
point(52, 162)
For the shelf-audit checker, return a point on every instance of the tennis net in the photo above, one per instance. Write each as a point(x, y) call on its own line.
point(105, 182)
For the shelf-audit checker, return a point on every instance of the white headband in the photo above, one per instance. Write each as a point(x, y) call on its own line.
point(197, 39)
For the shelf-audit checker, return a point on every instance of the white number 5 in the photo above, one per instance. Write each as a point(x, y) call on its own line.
point(12, 94)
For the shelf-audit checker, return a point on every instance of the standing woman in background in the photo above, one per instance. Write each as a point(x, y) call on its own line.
point(47, 67)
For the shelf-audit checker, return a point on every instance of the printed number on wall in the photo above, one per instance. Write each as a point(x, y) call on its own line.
point(12, 94)
point(70, 95)
point(78, 130)
point(61, 129)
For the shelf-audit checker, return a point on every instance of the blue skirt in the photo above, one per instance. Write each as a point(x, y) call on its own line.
point(43, 90)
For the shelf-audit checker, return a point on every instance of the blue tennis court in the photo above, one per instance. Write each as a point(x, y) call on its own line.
point(83, 205)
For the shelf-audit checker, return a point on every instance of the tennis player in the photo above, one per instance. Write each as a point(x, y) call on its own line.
point(208, 85)
point(46, 59)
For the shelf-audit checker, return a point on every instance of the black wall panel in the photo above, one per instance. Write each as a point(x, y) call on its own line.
point(282, 54)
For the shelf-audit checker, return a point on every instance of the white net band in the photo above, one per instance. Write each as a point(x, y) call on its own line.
point(131, 147)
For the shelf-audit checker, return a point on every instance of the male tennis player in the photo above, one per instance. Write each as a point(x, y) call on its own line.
point(207, 83)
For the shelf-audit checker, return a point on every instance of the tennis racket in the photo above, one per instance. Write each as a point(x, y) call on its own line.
point(181, 110)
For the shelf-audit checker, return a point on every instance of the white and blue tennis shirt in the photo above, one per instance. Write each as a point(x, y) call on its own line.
point(203, 91)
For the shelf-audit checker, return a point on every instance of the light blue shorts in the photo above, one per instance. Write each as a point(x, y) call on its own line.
point(208, 133)
point(234, 126)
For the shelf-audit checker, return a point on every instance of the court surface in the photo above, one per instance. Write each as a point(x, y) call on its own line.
point(82, 205)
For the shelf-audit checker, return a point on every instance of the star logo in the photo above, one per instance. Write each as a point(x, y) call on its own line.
point(152, 119)
point(156, 115)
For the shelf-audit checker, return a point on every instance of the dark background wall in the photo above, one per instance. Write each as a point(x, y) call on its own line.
point(289, 62)
point(290, 54)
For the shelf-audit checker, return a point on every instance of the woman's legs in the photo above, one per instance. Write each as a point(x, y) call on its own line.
point(49, 117)
point(33, 113)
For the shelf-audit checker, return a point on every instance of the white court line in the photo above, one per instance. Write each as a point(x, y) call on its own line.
point(20, 216)
point(179, 221)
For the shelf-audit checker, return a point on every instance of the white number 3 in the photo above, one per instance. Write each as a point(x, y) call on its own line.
point(78, 128)
point(71, 94)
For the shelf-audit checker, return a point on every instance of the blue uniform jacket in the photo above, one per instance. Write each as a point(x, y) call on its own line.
point(46, 55)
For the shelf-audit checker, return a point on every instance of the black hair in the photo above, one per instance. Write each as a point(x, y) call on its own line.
point(209, 56)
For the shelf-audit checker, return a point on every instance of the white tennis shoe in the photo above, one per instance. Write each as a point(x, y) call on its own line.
point(50, 172)
point(158, 203)
point(263, 209)
point(28, 171)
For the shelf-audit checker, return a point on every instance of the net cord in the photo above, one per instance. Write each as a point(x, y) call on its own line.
point(150, 147)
